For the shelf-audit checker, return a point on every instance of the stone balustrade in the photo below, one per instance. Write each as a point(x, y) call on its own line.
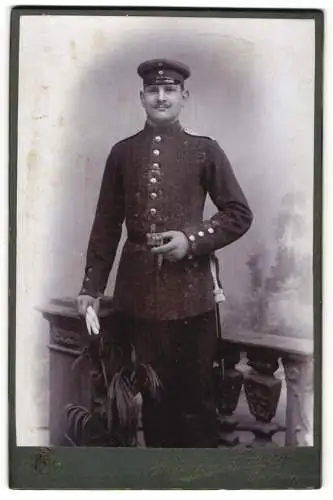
point(251, 371)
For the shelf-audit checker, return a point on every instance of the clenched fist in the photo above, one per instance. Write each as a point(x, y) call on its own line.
point(176, 247)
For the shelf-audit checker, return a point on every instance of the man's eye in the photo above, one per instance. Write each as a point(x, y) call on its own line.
point(170, 89)
point(151, 90)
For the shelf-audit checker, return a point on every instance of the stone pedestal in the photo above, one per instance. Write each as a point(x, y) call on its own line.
point(67, 385)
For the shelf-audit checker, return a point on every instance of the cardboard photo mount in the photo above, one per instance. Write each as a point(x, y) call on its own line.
point(47, 467)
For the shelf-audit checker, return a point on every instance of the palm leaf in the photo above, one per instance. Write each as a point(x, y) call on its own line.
point(148, 380)
point(111, 396)
point(121, 403)
point(85, 428)
point(104, 373)
point(76, 415)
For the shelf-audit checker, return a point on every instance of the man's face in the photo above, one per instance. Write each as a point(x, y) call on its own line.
point(163, 102)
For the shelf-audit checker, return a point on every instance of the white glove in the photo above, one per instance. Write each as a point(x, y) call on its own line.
point(92, 321)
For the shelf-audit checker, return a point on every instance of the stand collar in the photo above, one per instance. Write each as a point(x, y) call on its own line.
point(169, 129)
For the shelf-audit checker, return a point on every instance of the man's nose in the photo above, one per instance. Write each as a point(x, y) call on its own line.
point(161, 94)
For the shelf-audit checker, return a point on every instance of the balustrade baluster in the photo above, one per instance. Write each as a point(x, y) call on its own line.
point(262, 390)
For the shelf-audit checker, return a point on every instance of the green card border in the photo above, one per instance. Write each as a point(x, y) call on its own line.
point(194, 469)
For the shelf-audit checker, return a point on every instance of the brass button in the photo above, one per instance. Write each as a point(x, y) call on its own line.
point(210, 230)
point(191, 237)
point(156, 152)
point(153, 211)
point(153, 180)
point(158, 138)
point(156, 165)
point(200, 233)
point(153, 195)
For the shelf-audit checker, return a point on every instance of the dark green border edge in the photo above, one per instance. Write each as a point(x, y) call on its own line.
point(186, 469)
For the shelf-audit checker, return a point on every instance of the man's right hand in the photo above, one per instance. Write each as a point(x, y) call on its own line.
point(84, 301)
point(88, 306)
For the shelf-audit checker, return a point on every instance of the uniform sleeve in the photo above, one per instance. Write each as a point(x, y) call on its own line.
point(234, 216)
point(106, 229)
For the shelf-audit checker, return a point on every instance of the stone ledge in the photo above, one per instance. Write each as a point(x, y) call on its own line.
point(66, 307)
point(290, 345)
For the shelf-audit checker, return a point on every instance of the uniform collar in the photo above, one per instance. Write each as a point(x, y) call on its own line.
point(169, 129)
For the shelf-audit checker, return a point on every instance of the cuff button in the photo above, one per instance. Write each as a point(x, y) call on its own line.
point(201, 233)
point(191, 237)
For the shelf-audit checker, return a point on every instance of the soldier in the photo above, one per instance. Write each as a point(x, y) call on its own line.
point(157, 181)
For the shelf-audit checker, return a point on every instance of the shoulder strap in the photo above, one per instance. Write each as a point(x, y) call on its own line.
point(195, 134)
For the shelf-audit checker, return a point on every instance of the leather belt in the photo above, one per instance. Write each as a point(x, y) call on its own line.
point(137, 238)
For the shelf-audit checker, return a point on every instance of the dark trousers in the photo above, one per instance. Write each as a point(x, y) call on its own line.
point(181, 353)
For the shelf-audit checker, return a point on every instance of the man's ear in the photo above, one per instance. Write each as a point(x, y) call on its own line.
point(186, 94)
point(142, 97)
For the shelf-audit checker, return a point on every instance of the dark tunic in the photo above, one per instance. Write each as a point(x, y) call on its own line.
point(158, 180)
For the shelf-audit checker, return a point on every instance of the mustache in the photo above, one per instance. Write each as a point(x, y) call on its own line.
point(162, 106)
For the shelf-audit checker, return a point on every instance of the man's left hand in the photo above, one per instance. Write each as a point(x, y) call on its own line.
point(176, 247)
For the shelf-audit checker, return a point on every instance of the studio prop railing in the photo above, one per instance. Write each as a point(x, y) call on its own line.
point(262, 355)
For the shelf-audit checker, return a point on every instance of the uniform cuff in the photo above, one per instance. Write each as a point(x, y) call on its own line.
point(90, 293)
point(201, 237)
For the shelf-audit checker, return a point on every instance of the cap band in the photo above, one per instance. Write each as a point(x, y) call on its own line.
point(161, 81)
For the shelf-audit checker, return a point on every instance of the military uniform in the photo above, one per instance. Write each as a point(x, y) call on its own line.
point(157, 180)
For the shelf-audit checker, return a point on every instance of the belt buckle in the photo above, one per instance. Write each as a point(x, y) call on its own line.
point(154, 239)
